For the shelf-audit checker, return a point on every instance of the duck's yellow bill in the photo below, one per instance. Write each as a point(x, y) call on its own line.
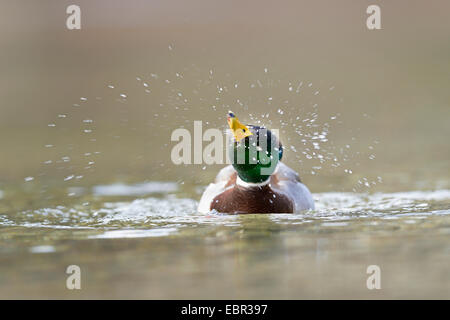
point(240, 131)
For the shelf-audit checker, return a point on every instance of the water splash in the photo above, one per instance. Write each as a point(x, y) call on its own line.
point(171, 215)
point(295, 110)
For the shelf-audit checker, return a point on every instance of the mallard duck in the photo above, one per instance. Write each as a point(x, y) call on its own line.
point(256, 181)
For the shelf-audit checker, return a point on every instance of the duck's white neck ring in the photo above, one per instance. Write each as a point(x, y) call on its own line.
point(244, 184)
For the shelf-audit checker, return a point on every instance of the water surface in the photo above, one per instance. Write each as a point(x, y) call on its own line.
point(157, 246)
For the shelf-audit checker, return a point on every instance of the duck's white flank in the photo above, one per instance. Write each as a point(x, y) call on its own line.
point(290, 185)
point(216, 188)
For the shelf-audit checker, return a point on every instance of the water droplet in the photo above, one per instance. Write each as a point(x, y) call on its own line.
point(69, 178)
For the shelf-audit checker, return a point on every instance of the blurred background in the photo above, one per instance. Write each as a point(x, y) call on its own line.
point(97, 106)
point(389, 86)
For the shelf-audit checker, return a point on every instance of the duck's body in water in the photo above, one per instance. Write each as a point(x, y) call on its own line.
point(257, 181)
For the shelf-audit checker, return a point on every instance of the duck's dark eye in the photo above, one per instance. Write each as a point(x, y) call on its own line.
point(243, 130)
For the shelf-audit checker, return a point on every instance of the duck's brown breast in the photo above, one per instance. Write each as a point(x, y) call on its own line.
point(262, 199)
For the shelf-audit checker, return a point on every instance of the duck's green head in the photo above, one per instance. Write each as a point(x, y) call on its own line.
point(254, 151)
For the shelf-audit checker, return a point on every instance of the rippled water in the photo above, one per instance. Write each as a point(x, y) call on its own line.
point(162, 248)
point(169, 215)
